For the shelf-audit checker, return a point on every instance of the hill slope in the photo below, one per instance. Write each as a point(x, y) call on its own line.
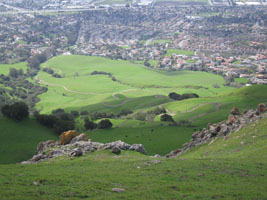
point(19, 139)
point(231, 169)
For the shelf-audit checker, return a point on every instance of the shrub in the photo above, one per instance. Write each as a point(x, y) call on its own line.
point(178, 97)
point(89, 125)
point(17, 111)
point(63, 125)
point(84, 112)
point(175, 96)
point(166, 118)
point(58, 111)
point(46, 120)
point(75, 113)
point(67, 136)
point(125, 112)
point(106, 123)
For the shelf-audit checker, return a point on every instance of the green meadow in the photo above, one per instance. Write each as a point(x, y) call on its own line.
point(179, 52)
point(78, 88)
point(4, 68)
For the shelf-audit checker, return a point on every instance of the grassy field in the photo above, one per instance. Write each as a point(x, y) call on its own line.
point(153, 42)
point(133, 81)
point(241, 80)
point(4, 68)
point(160, 138)
point(221, 170)
point(20, 139)
point(179, 52)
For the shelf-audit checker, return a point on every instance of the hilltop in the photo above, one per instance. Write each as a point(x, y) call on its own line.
point(224, 169)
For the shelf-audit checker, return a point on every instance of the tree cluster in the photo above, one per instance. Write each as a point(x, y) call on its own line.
point(58, 120)
point(17, 111)
point(178, 97)
point(103, 124)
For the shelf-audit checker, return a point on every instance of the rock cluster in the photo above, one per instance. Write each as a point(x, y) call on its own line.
point(78, 146)
point(235, 122)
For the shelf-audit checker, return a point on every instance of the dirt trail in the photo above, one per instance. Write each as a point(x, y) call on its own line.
point(88, 93)
point(206, 113)
point(64, 87)
point(115, 93)
point(117, 98)
point(203, 104)
point(118, 105)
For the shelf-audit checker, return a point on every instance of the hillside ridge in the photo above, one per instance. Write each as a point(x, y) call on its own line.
point(235, 122)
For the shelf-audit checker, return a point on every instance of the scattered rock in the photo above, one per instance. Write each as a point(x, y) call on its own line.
point(235, 122)
point(139, 148)
point(118, 190)
point(35, 183)
point(116, 150)
point(78, 146)
point(235, 111)
point(81, 137)
point(42, 146)
point(77, 152)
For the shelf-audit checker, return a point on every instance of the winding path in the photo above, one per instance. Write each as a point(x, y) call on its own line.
point(64, 87)
point(117, 98)
point(88, 93)
point(206, 113)
point(203, 104)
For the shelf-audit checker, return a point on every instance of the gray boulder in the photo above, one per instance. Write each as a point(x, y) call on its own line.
point(116, 150)
point(139, 148)
point(77, 152)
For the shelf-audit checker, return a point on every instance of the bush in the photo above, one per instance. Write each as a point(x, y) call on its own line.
point(106, 123)
point(17, 111)
point(175, 96)
point(46, 120)
point(63, 125)
point(166, 118)
point(125, 112)
point(84, 112)
point(89, 125)
point(179, 97)
point(75, 113)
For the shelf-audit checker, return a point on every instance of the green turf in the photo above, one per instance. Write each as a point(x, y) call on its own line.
point(241, 80)
point(19, 139)
point(4, 68)
point(221, 170)
point(179, 52)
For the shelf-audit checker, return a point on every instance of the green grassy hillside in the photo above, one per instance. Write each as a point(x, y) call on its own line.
point(79, 88)
point(226, 169)
point(160, 138)
point(20, 139)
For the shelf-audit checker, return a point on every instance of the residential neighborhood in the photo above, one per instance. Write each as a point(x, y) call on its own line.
point(229, 41)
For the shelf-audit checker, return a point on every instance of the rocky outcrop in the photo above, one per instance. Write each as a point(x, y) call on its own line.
point(235, 122)
point(78, 146)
